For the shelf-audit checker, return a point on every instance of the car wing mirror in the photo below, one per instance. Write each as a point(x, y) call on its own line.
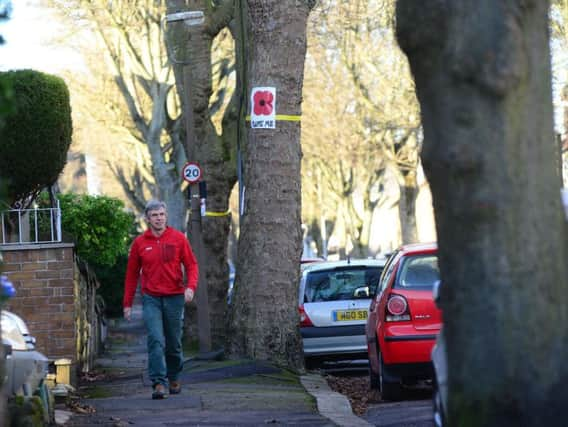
point(361, 292)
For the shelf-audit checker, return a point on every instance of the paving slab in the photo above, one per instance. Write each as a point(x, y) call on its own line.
point(411, 413)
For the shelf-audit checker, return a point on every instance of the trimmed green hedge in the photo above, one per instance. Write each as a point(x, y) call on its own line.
point(36, 133)
point(100, 227)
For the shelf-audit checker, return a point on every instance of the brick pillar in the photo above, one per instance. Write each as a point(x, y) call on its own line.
point(43, 276)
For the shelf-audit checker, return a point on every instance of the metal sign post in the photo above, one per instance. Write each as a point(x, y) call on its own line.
point(192, 174)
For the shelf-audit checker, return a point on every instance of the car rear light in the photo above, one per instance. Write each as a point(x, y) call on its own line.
point(304, 319)
point(397, 309)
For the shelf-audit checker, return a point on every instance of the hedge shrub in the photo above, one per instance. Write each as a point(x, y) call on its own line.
point(102, 232)
point(36, 133)
point(100, 227)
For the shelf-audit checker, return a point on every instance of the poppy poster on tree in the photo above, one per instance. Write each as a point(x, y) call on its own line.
point(263, 111)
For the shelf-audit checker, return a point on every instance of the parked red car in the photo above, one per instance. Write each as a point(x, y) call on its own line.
point(403, 320)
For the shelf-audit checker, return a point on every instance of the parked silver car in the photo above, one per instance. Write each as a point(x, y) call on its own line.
point(26, 368)
point(333, 300)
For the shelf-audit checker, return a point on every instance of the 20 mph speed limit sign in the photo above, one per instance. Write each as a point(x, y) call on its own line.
point(191, 172)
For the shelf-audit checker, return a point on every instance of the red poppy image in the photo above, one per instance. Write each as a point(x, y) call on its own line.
point(263, 103)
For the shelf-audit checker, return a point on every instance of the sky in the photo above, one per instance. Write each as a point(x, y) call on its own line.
point(28, 40)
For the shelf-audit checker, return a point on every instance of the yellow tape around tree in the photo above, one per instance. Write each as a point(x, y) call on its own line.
point(283, 118)
point(209, 213)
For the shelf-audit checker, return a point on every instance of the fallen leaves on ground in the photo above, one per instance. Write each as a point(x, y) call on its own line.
point(80, 408)
point(356, 389)
point(93, 376)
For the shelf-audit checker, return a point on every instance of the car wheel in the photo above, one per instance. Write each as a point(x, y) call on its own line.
point(439, 417)
point(389, 389)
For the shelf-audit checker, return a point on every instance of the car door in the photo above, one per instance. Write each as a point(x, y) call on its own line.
point(374, 318)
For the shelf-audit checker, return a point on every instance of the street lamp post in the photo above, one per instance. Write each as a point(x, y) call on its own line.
point(193, 18)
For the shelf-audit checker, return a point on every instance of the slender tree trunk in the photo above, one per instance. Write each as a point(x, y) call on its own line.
point(366, 228)
point(407, 207)
point(482, 72)
point(175, 200)
point(264, 322)
point(214, 153)
point(322, 219)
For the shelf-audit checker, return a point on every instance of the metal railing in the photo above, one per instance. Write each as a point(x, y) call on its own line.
point(30, 226)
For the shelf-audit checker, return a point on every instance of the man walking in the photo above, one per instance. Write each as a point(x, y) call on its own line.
point(156, 258)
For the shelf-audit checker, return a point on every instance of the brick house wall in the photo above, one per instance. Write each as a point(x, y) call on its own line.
point(56, 297)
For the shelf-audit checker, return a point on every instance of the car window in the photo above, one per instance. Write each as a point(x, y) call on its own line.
point(341, 283)
point(418, 272)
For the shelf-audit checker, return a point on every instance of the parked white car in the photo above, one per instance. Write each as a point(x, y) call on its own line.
point(26, 368)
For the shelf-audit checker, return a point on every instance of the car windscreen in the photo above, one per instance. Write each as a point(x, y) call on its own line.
point(342, 283)
point(418, 272)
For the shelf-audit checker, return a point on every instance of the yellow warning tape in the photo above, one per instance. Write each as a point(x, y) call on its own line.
point(283, 118)
point(288, 118)
point(209, 213)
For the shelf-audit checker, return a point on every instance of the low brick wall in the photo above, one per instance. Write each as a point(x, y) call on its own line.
point(56, 297)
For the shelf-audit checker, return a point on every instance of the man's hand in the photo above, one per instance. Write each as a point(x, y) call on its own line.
point(188, 295)
point(127, 313)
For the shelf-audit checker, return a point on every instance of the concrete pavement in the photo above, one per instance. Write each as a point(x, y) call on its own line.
point(215, 392)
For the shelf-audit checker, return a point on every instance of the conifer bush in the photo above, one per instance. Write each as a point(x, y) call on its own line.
point(36, 134)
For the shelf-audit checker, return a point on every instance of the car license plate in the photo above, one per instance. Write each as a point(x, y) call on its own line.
point(346, 315)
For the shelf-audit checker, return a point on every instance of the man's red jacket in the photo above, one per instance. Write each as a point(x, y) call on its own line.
point(157, 262)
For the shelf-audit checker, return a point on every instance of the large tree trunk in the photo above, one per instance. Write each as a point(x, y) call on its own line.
point(214, 153)
point(264, 322)
point(482, 71)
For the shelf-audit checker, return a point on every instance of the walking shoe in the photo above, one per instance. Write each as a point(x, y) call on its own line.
point(159, 392)
point(175, 387)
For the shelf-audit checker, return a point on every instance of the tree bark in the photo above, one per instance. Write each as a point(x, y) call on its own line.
point(483, 79)
point(264, 322)
point(407, 207)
